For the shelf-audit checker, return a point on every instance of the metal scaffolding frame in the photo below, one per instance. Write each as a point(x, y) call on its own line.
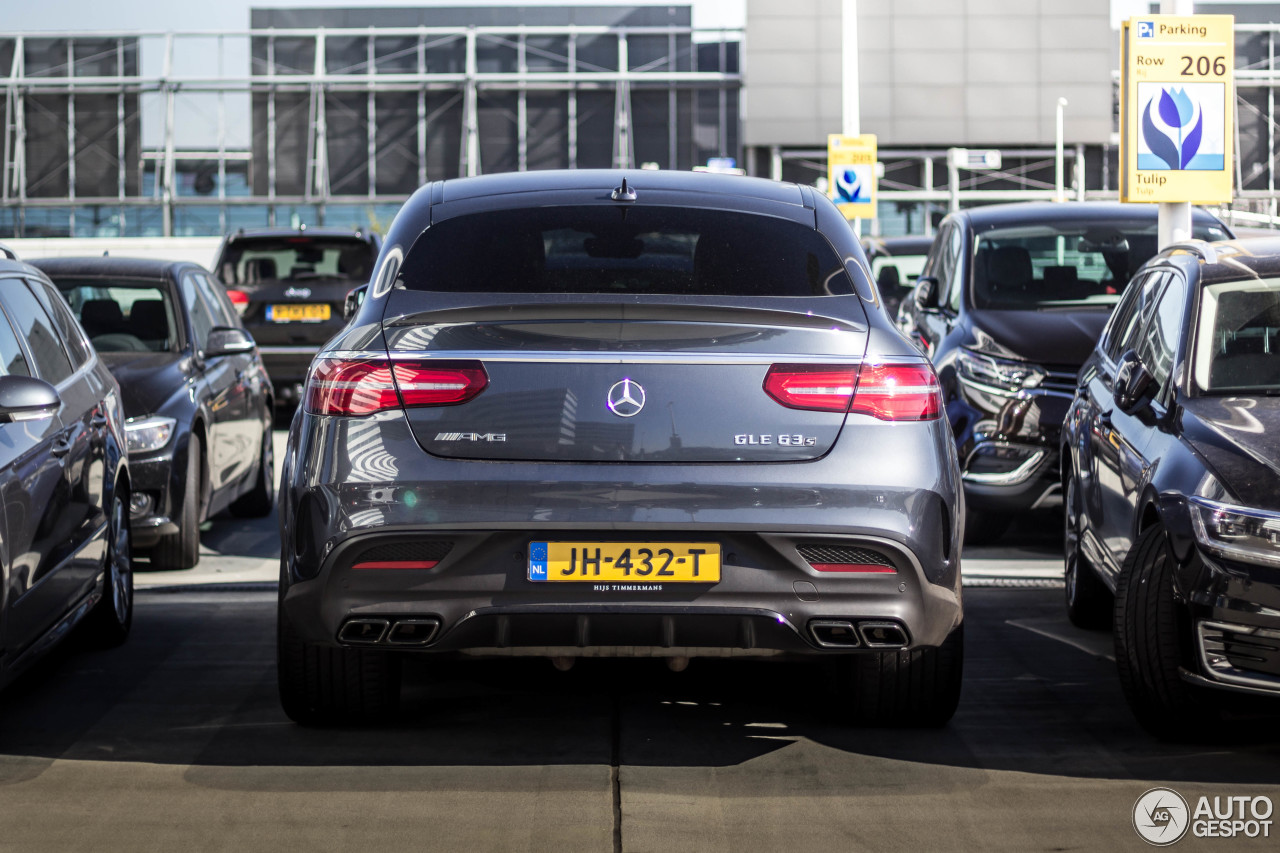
point(353, 93)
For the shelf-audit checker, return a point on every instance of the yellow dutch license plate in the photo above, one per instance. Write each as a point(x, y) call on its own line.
point(651, 562)
point(297, 313)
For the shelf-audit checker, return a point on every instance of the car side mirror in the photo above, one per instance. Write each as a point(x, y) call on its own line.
point(355, 298)
point(25, 398)
point(1134, 387)
point(227, 341)
point(925, 295)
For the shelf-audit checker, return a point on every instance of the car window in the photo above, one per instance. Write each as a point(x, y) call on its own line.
point(202, 321)
point(77, 346)
point(1049, 265)
point(1121, 330)
point(123, 314)
point(1158, 338)
point(296, 257)
point(12, 361)
point(33, 325)
point(1129, 336)
point(624, 250)
point(1237, 344)
point(951, 284)
point(219, 305)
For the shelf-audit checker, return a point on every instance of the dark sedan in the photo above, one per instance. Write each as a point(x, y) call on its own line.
point(289, 286)
point(1010, 303)
point(1171, 470)
point(197, 398)
point(593, 413)
point(64, 479)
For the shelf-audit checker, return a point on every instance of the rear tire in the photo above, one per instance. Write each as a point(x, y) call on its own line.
point(181, 550)
point(108, 624)
point(984, 528)
point(325, 685)
point(1153, 639)
point(258, 502)
point(1089, 602)
point(920, 687)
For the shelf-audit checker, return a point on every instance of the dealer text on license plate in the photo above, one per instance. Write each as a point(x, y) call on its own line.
point(298, 313)
point(668, 562)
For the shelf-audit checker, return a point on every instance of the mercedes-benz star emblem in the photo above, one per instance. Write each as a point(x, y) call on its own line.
point(626, 398)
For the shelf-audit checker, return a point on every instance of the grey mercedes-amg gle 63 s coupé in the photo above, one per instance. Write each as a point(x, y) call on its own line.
point(599, 413)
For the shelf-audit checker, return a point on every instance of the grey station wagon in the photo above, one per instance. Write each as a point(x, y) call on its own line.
point(600, 413)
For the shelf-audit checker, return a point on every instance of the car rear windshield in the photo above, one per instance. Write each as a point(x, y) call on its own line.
point(123, 315)
point(248, 260)
point(1238, 337)
point(1069, 264)
point(624, 250)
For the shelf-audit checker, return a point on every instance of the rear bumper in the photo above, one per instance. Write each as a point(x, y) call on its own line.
point(359, 483)
point(480, 600)
point(287, 366)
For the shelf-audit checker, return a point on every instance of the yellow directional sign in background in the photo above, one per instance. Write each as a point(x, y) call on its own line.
point(1177, 99)
point(851, 174)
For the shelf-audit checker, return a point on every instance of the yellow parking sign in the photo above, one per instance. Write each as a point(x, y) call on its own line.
point(1177, 99)
point(851, 174)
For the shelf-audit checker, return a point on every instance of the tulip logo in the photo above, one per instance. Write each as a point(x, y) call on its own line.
point(1182, 127)
point(853, 185)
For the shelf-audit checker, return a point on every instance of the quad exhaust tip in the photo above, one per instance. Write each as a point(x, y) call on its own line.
point(413, 631)
point(853, 634)
point(834, 633)
point(882, 635)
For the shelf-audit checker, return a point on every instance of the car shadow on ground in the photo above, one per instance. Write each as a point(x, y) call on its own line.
point(196, 686)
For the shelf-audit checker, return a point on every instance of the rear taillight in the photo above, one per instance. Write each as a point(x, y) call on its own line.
point(364, 386)
point(890, 392)
point(826, 388)
point(898, 392)
point(239, 300)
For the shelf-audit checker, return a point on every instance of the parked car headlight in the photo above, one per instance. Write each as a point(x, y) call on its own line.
point(148, 434)
point(1000, 374)
point(1249, 535)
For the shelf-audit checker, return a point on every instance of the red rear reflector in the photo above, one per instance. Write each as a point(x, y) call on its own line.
point(864, 568)
point(821, 387)
point(239, 300)
point(898, 392)
point(364, 386)
point(891, 392)
point(398, 564)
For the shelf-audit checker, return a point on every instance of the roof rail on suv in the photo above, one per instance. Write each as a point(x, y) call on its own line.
point(9, 253)
point(1200, 248)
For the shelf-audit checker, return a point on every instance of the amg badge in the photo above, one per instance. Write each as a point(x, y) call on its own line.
point(471, 436)
point(784, 440)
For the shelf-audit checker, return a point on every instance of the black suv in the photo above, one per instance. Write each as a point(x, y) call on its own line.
point(290, 286)
point(1172, 484)
point(64, 478)
point(1010, 303)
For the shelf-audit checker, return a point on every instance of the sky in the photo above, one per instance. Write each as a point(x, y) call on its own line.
point(159, 15)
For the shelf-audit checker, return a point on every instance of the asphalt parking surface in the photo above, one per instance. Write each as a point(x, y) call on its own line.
point(176, 741)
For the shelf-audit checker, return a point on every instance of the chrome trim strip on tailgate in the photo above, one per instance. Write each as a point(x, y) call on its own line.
point(622, 358)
